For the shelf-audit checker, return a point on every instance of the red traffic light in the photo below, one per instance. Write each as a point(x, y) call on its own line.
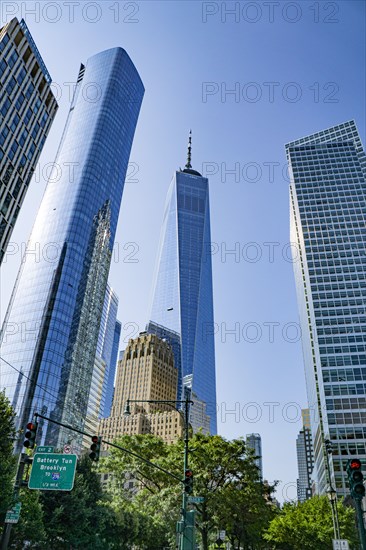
point(30, 430)
point(354, 464)
point(95, 447)
point(30, 435)
point(188, 481)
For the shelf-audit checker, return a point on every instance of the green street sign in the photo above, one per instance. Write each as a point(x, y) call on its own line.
point(12, 515)
point(53, 472)
point(195, 500)
point(44, 450)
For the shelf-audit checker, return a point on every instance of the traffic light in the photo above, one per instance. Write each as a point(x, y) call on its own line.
point(355, 479)
point(328, 446)
point(188, 481)
point(30, 435)
point(95, 448)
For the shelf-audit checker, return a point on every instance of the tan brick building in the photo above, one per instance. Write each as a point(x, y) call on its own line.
point(146, 372)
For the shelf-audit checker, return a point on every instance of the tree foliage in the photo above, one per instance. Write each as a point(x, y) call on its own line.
point(80, 518)
point(224, 474)
point(144, 516)
point(7, 459)
point(309, 525)
point(31, 522)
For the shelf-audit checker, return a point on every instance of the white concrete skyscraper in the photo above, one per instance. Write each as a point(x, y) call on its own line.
point(328, 213)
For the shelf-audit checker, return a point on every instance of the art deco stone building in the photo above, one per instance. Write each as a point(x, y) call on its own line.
point(146, 372)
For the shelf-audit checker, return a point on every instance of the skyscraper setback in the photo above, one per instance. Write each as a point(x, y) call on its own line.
point(183, 301)
point(107, 347)
point(305, 458)
point(254, 442)
point(52, 324)
point(147, 372)
point(327, 201)
point(27, 110)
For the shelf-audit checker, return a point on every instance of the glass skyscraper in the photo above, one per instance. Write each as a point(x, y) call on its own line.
point(328, 206)
point(51, 329)
point(183, 300)
point(27, 110)
point(254, 442)
point(107, 347)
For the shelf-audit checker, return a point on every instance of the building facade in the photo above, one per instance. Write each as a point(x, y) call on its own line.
point(254, 442)
point(27, 107)
point(52, 324)
point(95, 400)
point(146, 372)
point(198, 417)
point(183, 297)
point(174, 340)
point(105, 362)
point(107, 348)
point(327, 204)
point(305, 459)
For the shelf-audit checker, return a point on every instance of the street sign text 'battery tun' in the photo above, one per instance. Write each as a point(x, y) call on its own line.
point(53, 472)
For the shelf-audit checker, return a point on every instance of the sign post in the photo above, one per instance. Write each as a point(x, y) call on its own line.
point(195, 500)
point(340, 544)
point(12, 515)
point(53, 472)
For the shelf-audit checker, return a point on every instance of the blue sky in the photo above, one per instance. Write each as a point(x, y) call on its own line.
point(292, 68)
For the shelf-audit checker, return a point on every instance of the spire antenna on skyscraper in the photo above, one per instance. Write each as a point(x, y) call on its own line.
point(188, 167)
point(180, 312)
point(189, 153)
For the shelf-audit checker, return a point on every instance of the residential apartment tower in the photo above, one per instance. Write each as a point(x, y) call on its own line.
point(27, 110)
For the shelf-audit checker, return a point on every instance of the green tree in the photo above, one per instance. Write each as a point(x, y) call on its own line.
point(308, 525)
point(149, 508)
point(80, 518)
point(30, 527)
point(222, 470)
point(7, 459)
point(245, 514)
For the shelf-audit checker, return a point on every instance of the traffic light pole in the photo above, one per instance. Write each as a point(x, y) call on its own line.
point(361, 525)
point(357, 490)
point(184, 541)
point(186, 528)
point(22, 461)
point(17, 484)
point(110, 445)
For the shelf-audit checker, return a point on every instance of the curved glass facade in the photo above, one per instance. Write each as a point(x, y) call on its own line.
point(183, 298)
point(107, 348)
point(51, 328)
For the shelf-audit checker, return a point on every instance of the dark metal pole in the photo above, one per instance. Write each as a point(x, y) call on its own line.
point(328, 451)
point(17, 484)
point(361, 525)
point(185, 467)
point(111, 445)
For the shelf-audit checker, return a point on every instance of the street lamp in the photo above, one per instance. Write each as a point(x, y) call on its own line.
point(332, 493)
point(187, 402)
